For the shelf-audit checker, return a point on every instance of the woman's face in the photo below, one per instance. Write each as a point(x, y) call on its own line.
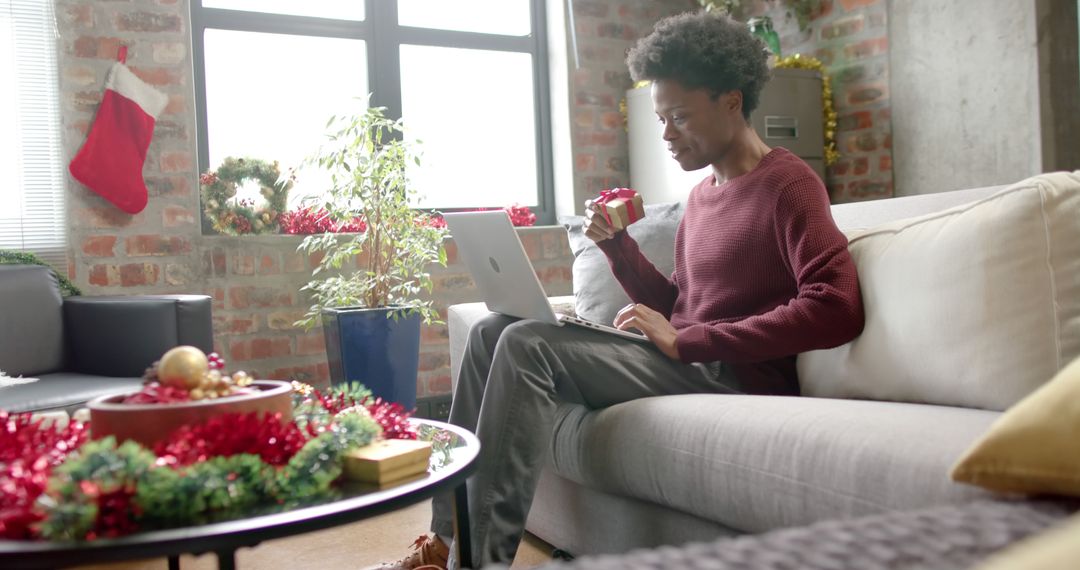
point(698, 128)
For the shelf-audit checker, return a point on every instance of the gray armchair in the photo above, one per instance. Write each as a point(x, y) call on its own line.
point(84, 347)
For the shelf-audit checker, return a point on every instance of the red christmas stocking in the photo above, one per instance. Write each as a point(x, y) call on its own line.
point(111, 161)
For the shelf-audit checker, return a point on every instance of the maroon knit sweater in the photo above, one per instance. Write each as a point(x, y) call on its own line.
point(761, 274)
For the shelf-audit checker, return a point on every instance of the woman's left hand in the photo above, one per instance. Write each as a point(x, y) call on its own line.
point(652, 324)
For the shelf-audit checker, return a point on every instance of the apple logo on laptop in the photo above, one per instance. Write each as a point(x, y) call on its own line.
point(494, 264)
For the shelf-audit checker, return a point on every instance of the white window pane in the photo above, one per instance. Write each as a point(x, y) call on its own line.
point(268, 96)
point(339, 9)
point(32, 216)
point(474, 112)
point(10, 186)
point(505, 17)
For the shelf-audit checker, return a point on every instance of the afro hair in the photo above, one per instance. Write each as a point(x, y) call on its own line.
point(701, 50)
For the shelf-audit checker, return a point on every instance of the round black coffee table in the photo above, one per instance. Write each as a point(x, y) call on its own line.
point(449, 469)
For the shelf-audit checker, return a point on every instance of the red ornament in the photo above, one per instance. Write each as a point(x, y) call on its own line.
point(216, 361)
point(230, 434)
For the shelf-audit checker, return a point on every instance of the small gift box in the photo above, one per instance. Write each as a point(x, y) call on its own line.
point(389, 461)
point(620, 207)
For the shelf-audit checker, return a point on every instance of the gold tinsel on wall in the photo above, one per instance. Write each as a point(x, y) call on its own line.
point(798, 61)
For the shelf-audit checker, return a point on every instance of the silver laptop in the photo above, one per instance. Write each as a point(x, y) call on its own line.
point(498, 263)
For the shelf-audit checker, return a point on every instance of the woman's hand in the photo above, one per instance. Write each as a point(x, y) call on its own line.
point(596, 227)
point(652, 324)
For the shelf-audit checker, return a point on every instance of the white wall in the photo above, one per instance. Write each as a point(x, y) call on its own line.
point(965, 93)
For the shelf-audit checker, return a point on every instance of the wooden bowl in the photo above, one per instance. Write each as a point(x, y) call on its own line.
point(149, 423)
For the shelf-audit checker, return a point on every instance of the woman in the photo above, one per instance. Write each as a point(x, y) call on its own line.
point(761, 274)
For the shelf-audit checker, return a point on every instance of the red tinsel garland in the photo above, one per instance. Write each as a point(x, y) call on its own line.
point(155, 393)
point(117, 512)
point(305, 221)
point(521, 215)
point(391, 416)
point(28, 453)
point(309, 220)
point(230, 434)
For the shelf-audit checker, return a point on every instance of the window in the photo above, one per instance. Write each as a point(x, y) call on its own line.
point(468, 76)
point(32, 216)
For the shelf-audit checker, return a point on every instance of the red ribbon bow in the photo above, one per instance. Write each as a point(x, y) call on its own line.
point(617, 194)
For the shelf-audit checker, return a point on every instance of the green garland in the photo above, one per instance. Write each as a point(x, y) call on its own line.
point(71, 498)
point(220, 488)
point(201, 493)
point(67, 288)
point(231, 217)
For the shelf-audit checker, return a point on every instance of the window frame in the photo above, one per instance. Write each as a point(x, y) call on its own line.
point(384, 37)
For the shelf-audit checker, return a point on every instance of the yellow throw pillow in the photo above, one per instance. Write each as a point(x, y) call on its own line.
point(1056, 549)
point(1032, 448)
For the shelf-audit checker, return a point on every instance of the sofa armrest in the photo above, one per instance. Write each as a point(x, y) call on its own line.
point(123, 335)
point(460, 318)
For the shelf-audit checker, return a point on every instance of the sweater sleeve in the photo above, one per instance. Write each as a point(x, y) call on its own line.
point(827, 310)
point(641, 280)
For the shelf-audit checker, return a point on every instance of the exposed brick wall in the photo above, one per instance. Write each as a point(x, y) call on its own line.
point(851, 38)
point(254, 280)
point(606, 29)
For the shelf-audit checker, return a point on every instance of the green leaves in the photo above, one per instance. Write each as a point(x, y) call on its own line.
point(366, 157)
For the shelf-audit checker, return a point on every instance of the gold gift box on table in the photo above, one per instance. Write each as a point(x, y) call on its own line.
point(388, 462)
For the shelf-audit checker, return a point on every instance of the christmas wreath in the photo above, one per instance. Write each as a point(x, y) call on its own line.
point(231, 216)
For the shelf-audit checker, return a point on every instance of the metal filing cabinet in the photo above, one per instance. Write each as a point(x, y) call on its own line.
point(789, 115)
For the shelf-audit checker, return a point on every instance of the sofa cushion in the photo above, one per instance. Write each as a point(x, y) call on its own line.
point(31, 321)
point(756, 463)
point(1032, 448)
point(62, 390)
point(977, 305)
point(598, 296)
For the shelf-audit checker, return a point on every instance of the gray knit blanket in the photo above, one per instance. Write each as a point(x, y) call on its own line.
point(952, 537)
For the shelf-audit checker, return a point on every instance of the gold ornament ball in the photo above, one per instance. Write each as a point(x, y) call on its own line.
point(183, 367)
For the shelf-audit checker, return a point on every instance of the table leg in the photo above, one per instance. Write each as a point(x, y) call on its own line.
point(226, 560)
point(174, 562)
point(463, 536)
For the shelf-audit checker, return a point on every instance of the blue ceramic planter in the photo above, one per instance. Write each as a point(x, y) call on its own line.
point(367, 346)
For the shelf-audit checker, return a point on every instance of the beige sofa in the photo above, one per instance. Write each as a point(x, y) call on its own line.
point(670, 470)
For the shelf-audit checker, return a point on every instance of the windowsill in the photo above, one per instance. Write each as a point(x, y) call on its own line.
point(271, 239)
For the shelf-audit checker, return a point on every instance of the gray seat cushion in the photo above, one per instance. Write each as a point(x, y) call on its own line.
point(31, 321)
point(62, 390)
point(757, 463)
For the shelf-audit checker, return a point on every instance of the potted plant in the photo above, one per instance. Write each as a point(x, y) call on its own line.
point(366, 288)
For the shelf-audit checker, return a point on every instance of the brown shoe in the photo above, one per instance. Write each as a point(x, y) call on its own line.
point(428, 553)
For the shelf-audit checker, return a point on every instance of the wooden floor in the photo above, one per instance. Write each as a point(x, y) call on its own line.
point(349, 547)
